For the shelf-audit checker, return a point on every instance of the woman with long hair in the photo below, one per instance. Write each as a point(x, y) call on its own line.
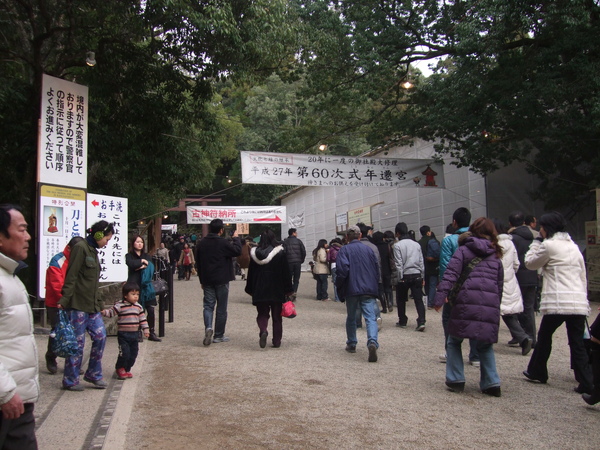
point(140, 271)
point(269, 283)
point(83, 304)
point(475, 310)
point(564, 299)
point(321, 269)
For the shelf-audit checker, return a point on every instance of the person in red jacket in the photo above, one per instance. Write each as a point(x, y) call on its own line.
point(55, 278)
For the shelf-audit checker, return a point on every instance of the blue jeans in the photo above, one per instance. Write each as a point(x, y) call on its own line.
point(333, 278)
point(322, 286)
point(216, 295)
point(431, 282)
point(368, 306)
point(94, 325)
point(446, 310)
point(455, 370)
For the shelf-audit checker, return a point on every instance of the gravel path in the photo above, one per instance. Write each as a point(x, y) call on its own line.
point(310, 393)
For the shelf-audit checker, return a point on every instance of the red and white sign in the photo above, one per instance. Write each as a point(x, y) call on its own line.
point(236, 214)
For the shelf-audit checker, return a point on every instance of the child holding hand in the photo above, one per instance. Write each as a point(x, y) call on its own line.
point(131, 318)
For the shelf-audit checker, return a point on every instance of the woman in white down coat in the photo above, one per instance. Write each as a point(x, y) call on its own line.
point(512, 300)
point(564, 299)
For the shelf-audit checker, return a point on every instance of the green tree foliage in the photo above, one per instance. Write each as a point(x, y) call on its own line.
point(156, 132)
point(277, 118)
point(517, 81)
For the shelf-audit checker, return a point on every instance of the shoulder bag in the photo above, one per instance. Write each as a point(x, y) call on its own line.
point(461, 279)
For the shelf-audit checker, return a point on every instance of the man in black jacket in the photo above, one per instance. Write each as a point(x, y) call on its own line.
point(296, 253)
point(522, 237)
point(215, 270)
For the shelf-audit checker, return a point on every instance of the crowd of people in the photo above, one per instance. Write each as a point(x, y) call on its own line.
point(481, 271)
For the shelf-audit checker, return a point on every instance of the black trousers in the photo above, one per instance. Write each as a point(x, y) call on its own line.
point(538, 364)
point(19, 434)
point(128, 350)
point(414, 283)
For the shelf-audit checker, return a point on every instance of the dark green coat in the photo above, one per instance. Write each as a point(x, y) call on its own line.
point(80, 290)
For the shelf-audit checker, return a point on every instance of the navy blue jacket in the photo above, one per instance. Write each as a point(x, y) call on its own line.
point(357, 270)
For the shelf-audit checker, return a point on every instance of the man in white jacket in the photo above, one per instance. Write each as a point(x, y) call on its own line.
point(19, 385)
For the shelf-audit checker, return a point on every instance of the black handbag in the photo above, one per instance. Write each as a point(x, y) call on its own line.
point(160, 286)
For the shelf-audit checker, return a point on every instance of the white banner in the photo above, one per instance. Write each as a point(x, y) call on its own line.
point(61, 218)
point(112, 257)
point(328, 170)
point(62, 140)
point(236, 214)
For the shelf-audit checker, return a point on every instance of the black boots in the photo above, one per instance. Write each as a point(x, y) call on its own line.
point(594, 397)
point(151, 321)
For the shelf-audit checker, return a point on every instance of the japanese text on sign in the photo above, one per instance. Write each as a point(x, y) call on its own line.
point(319, 170)
point(237, 214)
point(63, 133)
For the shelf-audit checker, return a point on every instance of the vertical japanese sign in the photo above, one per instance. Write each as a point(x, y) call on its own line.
point(62, 140)
point(592, 253)
point(112, 257)
point(62, 217)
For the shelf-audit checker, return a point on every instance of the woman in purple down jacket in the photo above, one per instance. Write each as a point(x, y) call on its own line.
point(476, 309)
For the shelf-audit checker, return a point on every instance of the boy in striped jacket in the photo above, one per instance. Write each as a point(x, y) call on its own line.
point(131, 319)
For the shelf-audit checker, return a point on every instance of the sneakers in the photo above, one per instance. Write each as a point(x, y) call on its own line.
point(208, 336)
point(263, 339)
point(379, 323)
point(372, 352)
point(475, 363)
point(513, 343)
point(420, 327)
point(128, 374)
point(75, 388)
point(120, 373)
point(401, 325)
point(98, 384)
point(218, 340)
point(526, 346)
point(351, 348)
point(443, 358)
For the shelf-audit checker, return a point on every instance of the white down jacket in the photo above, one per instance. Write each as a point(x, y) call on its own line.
point(18, 352)
point(512, 300)
point(564, 289)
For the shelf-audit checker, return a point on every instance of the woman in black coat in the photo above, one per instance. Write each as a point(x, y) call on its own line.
point(137, 261)
point(269, 282)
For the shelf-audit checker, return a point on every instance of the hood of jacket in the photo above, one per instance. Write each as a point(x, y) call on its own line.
point(524, 232)
point(479, 246)
point(264, 256)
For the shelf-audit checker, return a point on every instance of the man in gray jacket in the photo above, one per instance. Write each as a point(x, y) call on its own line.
point(19, 384)
point(296, 253)
point(411, 275)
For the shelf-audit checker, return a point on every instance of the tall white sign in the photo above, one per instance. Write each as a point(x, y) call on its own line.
point(329, 170)
point(62, 140)
point(112, 257)
point(62, 217)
